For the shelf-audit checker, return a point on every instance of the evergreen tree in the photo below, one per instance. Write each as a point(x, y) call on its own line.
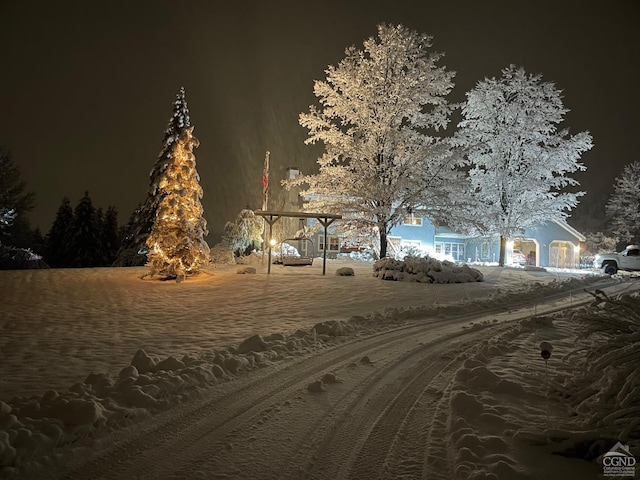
point(15, 203)
point(176, 243)
point(518, 161)
point(58, 253)
point(85, 243)
point(623, 207)
point(110, 236)
point(134, 248)
point(376, 109)
point(38, 243)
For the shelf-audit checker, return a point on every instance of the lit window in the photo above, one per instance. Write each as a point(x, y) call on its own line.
point(413, 220)
point(334, 243)
point(452, 249)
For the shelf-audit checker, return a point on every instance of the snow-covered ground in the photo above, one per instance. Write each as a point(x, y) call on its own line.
point(443, 378)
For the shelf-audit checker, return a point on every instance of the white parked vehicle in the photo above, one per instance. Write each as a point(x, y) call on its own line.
point(628, 259)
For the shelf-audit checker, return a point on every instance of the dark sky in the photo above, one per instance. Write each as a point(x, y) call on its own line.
point(86, 88)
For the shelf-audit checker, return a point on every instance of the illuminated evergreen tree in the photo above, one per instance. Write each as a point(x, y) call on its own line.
point(133, 250)
point(176, 243)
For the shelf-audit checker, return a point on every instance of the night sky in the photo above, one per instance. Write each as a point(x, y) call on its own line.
point(87, 88)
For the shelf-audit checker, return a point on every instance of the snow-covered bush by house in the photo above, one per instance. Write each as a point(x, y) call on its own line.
point(425, 270)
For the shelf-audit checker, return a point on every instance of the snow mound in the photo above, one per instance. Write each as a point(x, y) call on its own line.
point(246, 270)
point(425, 270)
point(345, 272)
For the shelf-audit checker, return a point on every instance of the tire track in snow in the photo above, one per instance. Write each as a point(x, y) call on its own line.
point(384, 435)
point(155, 442)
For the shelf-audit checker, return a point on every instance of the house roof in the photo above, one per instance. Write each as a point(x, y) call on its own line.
point(571, 230)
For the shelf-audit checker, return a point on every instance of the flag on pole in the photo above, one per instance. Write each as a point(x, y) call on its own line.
point(265, 183)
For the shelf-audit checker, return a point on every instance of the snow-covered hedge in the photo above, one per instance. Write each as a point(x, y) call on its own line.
point(425, 270)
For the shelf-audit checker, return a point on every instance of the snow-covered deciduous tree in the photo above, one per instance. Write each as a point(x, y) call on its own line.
point(599, 243)
point(377, 108)
point(518, 161)
point(133, 250)
point(245, 232)
point(623, 207)
point(176, 243)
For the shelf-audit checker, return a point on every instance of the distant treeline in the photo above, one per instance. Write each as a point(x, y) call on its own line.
point(82, 237)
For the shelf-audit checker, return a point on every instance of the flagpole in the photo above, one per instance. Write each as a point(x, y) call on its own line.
point(265, 204)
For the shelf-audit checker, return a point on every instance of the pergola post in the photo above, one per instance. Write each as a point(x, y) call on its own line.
point(270, 221)
point(325, 222)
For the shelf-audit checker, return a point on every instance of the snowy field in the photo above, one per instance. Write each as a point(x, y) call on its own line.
point(397, 379)
point(59, 325)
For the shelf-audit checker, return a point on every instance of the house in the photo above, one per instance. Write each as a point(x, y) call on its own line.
point(554, 244)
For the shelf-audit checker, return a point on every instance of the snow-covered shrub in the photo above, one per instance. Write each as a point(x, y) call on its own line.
point(605, 392)
point(221, 254)
point(425, 270)
point(12, 258)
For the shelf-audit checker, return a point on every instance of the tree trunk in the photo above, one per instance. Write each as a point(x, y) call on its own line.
point(503, 250)
point(383, 242)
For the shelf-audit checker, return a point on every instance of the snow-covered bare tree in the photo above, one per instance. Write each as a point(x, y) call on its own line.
point(133, 250)
point(377, 109)
point(176, 243)
point(623, 207)
point(518, 160)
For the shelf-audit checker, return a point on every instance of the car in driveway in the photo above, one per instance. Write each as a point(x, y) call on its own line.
point(518, 258)
point(610, 263)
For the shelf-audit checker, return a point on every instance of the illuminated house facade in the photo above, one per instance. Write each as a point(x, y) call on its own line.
point(554, 244)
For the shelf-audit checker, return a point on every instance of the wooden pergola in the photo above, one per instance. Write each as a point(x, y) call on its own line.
point(325, 220)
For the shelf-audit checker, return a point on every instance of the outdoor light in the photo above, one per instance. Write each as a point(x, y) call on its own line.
point(272, 242)
point(576, 248)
